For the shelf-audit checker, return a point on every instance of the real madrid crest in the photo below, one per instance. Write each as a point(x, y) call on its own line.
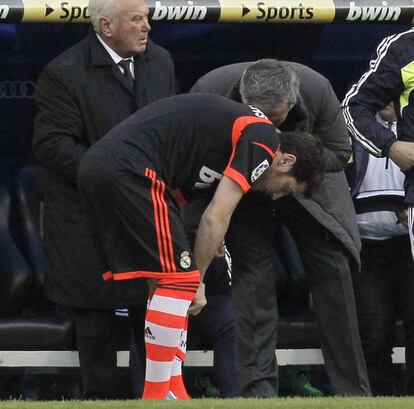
point(185, 261)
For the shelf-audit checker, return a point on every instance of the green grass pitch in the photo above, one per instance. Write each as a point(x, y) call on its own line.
point(282, 403)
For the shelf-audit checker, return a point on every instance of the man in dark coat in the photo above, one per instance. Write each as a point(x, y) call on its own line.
point(323, 226)
point(80, 96)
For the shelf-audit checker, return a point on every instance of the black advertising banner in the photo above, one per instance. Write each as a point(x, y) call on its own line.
point(196, 11)
point(11, 11)
point(316, 11)
point(401, 11)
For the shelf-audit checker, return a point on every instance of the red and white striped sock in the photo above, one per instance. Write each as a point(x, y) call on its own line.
point(177, 386)
point(165, 323)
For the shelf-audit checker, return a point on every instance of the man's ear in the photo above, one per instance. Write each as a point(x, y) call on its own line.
point(285, 161)
point(289, 159)
point(105, 27)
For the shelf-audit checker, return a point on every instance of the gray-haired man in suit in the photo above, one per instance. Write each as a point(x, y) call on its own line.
point(80, 96)
point(323, 227)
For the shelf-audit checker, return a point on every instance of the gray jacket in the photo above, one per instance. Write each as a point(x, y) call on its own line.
point(317, 112)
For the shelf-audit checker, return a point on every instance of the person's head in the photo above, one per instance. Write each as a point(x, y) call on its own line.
point(272, 86)
point(122, 24)
point(388, 113)
point(297, 168)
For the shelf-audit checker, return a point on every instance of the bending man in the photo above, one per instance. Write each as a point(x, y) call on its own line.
point(129, 180)
point(295, 98)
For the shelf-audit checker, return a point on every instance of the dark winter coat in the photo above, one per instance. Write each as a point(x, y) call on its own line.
point(80, 96)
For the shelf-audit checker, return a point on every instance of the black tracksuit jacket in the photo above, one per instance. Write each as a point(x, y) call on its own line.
point(390, 78)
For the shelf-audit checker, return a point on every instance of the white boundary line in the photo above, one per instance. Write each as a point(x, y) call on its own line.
point(69, 359)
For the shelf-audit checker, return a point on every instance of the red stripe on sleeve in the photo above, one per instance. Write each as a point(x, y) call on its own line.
point(238, 178)
point(267, 149)
point(238, 128)
point(241, 123)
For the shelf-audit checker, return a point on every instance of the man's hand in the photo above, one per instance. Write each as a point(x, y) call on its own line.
point(402, 154)
point(199, 301)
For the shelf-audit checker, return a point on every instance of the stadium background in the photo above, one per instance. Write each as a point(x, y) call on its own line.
point(339, 50)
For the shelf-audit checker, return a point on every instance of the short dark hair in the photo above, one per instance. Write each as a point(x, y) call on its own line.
point(310, 164)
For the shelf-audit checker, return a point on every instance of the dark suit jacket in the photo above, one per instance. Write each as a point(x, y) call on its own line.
point(80, 96)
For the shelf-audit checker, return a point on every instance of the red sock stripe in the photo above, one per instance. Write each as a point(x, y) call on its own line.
point(189, 277)
point(163, 278)
point(185, 290)
point(184, 284)
point(160, 353)
point(180, 295)
point(180, 285)
point(180, 354)
point(155, 390)
point(177, 387)
point(164, 319)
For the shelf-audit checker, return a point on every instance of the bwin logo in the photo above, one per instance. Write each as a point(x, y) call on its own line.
point(4, 11)
point(189, 12)
point(381, 13)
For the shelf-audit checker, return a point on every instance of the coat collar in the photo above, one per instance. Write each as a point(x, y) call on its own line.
point(98, 56)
